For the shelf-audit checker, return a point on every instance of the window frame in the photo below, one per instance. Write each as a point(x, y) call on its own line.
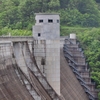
point(50, 20)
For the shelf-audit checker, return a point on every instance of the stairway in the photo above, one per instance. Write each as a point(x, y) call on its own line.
point(71, 88)
point(76, 60)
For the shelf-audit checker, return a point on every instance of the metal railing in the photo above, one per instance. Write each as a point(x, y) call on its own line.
point(65, 48)
point(83, 83)
point(69, 56)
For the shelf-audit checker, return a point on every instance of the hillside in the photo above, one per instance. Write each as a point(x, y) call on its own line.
point(18, 14)
point(90, 42)
point(77, 16)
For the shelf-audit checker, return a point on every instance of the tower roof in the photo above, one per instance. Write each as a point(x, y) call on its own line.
point(47, 14)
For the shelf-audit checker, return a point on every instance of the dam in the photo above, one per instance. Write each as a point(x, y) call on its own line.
point(44, 66)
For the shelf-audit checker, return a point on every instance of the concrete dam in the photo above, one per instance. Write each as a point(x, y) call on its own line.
point(45, 66)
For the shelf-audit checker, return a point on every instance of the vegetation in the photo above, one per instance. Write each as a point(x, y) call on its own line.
point(90, 42)
point(19, 14)
point(80, 16)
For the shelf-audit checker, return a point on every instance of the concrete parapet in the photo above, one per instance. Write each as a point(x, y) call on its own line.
point(16, 38)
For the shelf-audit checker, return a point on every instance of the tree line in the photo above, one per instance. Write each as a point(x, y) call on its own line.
point(19, 14)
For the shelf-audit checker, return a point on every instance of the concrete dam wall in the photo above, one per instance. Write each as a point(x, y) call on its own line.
point(44, 66)
point(18, 60)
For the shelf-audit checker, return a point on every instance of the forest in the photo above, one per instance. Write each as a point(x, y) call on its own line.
point(19, 14)
point(77, 16)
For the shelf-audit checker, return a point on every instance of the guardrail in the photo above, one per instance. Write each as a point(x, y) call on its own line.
point(68, 55)
point(16, 38)
point(82, 82)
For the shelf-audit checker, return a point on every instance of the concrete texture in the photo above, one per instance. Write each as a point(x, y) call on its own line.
point(18, 47)
point(46, 33)
point(53, 64)
point(15, 38)
point(71, 89)
point(47, 30)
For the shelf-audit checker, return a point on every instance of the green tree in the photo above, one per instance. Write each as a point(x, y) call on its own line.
point(54, 4)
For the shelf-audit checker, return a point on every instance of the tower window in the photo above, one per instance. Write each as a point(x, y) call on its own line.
point(39, 34)
point(50, 20)
point(57, 21)
point(42, 61)
point(41, 21)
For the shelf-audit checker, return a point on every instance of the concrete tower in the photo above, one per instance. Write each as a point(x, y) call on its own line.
point(46, 33)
